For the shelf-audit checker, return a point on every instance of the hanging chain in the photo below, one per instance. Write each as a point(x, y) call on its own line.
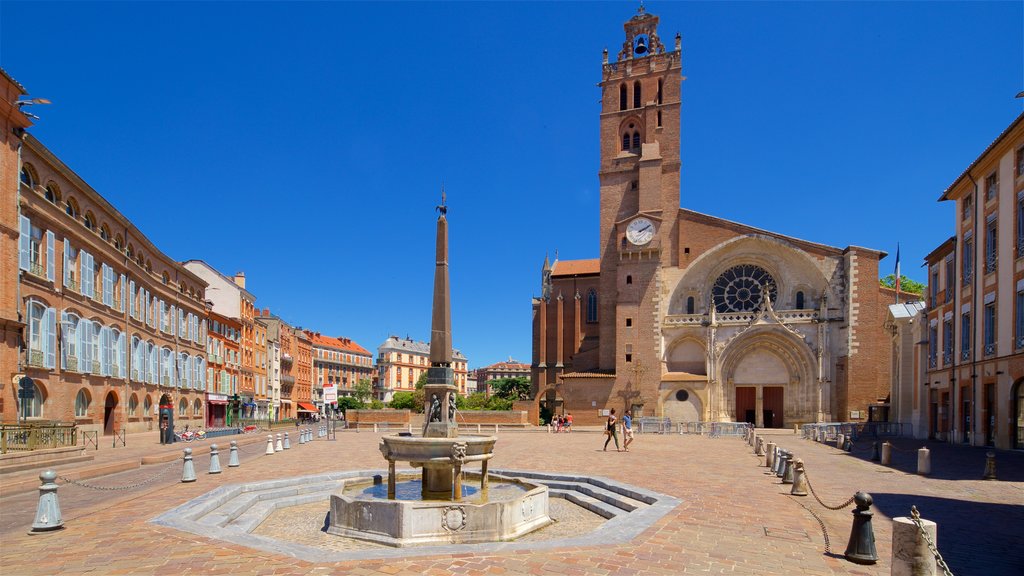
point(166, 469)
point(824, 531)
point(915, 517)
point(840, 507)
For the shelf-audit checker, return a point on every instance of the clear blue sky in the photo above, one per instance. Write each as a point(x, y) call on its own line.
point(306, 143)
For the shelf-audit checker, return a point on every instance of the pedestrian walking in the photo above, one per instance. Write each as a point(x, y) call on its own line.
point(610, 431)
point(627, 430)
point(568, 422)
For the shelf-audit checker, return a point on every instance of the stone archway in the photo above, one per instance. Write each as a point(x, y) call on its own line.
point(110, 413)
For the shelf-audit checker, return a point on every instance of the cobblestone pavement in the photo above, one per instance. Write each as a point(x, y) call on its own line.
point(733, 518)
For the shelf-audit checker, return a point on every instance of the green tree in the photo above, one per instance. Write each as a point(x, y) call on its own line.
point(906, 284)
point(475, 401)
point(403, 401)
point(362, 390)
point(346, 403)
point(419, 395)
point(376, 404)
point(511, 388)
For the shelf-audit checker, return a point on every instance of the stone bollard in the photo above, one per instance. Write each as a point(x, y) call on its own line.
point(780, 463)
point(759, 451)
point(287, 442)
point(233, 458)
point(990, 466)
point(861, 547)
point(214, 460)
point(270, 444)
point(840, 440)
point(814, 433)
point(799, 479)
point(278, 446)
point(48, 515)
point(780, 455)
point(875, 457)
point(302, 437)
point(924, 462)
point(910, 553)
point(188, 472)
point(886, 453)
point(787, 472)
point(796, 429)
point(769, 454)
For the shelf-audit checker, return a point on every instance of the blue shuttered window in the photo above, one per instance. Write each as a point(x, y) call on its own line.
point(25, 231)
point(122, 348)
point(50, 264)
point(124, 283)
point(50, 338)
point(173, 320)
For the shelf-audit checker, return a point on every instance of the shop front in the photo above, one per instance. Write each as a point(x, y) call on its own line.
point(216, 410)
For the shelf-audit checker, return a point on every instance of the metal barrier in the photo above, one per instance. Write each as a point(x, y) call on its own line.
point(24, 437)
point(654, 425)
point(829, 431)
point(719, 429)
point(92, 437)
point(118, 436)
point(692, 427)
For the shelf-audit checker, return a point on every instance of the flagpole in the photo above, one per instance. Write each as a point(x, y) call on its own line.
point(897, 273)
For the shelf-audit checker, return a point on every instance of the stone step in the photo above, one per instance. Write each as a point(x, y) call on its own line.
point(44, 464)
point(628, 496)
point(238, 504)
point(597, 493)
point(593, 504)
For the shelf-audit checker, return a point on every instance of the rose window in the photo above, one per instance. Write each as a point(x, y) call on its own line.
point(742, 288)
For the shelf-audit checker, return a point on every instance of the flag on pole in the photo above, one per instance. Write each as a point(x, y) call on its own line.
point(897, 272)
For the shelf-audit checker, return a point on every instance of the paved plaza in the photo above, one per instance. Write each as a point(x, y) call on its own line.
point(732, 517)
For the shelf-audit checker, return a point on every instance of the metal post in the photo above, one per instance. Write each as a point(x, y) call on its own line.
point(875, 456)
point(861, 547)
point(48, 515)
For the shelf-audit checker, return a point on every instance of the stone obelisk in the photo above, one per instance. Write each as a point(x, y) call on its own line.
point(439, 397)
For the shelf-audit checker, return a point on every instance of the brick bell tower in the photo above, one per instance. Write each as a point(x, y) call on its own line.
point(639, 175)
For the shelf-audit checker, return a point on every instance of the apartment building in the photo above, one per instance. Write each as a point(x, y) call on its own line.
point(973, 392)
point(509, 369)
point(401, 362)
point(338, 364)
point(223, 351)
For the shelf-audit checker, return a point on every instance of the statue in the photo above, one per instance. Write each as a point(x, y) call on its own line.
point(435, 409)
point(451, 407)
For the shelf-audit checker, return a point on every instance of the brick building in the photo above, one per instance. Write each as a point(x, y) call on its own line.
point(225, 362)
point(302, 347)
point(338, 363)
point(282, 349)
point(509, 369)
point(401, 362)
point(113, 327)
point(973, 389)
point(689, 316)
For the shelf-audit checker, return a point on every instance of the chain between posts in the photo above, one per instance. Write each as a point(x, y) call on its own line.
point(166, 469)
point(815, 494)
point(915, 517)
point(821, 524)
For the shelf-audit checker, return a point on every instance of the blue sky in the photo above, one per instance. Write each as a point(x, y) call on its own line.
point(306, 143)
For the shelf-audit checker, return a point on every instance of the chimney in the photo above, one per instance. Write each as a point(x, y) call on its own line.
point(240, 279)
point(266, 311)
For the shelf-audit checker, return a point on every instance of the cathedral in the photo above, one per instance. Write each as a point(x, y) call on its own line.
point(691, 317)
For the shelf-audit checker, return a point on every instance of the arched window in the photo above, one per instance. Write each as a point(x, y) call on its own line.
point(118, 243)
point(52, 193)
point(197, 407)
point(133, 406)
point(28, 177)
point(129, 252)
point(34, 407)
point(636, 140)
point(625, 141)
point(105, 233)
point(183, 407)
point(591, 306)
point(636, 94)
point(689, 305)
point(659, 118)
point(89, 221)
point(71, 208)
point(800, 300)
point(165, 278)
point(147, 406)
point(622, 97)
point(82, 404)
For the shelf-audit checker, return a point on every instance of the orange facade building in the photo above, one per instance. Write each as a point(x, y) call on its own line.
point(224, 356)
point(338, 363)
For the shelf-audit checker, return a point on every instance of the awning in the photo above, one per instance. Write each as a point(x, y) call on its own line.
point(304, 407)
point(209, 401)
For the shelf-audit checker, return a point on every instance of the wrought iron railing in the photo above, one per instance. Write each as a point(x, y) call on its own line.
point(990, 349)
point(933, 361)
point(24, 437)
point(965, 354)
point(36, 358)
point(37, 269)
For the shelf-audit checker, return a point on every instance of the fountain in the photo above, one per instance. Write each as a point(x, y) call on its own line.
point(441, 513)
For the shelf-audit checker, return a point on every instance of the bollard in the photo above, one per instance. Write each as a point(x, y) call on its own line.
point(840, 440)
point(799, 479)
point(796, 429)
point(780, 463)
point(990, 466)
point(233, 458)
point(924, 462)
point(759, 451)
point(874, 452)
point(48, 516)
point(188, 472)
point(787, 473)
point(861, 547)
point(910, 553)
point(302, 437)
point(769, 455)
point(278, 446)
point(287, 442)
point(214, 460)
point(270, 444)
point(886, 453)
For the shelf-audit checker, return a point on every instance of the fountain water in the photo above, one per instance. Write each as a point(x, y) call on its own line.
point(441, 514)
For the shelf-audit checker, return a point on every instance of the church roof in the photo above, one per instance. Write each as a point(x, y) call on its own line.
point(576, 267)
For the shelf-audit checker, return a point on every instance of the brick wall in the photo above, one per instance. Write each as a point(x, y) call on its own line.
point(378, 416)
point(505, 417)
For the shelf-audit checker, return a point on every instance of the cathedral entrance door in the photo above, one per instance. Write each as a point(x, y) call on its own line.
point(772, 406)
point(746, 404)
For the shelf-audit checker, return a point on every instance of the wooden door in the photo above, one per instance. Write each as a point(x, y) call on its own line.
point(746, 404)
point(773, 406)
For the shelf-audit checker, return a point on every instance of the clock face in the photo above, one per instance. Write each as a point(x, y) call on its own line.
point(640, 231)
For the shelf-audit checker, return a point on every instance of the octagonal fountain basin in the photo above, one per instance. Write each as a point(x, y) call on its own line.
point(419, 450)
point(507, 509)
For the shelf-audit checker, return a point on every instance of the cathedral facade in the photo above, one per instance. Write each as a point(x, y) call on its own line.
point(691, 317)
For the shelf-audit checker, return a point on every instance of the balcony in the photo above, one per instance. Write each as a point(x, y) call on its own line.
point(166, 380)
point(37, 269)
point(947, 357)
point(933, 361)
point(286, 359)
point(990, 262)
point(135, 375)
point(287, 380)
point(95, 367)
point(965, 354)
point(990, 349)
point(73, 285)
point(36, 359)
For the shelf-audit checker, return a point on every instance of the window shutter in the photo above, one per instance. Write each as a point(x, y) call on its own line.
point(105, 351)
point(23, 243)
point(84, 282)
point(50, 264)
point(131, 304)
point(82, 332)
point(122, 346)
point(123, 293)
point(163, 316)
point(63, 341)
point(108, 286)
point(173, 320)
point(67, 262)
point(50, 338)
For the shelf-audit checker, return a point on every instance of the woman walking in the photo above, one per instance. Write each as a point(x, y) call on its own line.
point(611, 432)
